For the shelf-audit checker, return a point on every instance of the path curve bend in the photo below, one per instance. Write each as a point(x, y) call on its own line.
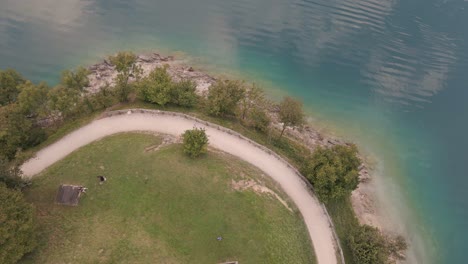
point(315, 216)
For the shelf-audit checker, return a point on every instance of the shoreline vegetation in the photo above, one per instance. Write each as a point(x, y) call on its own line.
point(32, 116)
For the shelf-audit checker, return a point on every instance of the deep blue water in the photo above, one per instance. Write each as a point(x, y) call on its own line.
point(390, 75)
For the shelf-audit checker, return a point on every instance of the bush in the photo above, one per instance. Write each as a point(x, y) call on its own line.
point(333, 171)
point(103, 99)
point(195, 142)
point(223, 97)
point(10, 175)
point(397, 247)
point(367, 245)
point(259, 119)
point(17, 226)
point(156, 87)
point(183, 93)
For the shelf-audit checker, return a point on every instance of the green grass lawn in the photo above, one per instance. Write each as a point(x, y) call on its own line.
point(161, 207)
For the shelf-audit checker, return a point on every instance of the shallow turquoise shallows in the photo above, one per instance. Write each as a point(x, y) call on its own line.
point(391, 75)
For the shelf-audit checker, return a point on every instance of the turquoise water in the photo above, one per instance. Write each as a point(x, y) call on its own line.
point(390, 75)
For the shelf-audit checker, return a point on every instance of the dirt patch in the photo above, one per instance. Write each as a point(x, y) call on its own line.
point(167, 140)
point(243, 185)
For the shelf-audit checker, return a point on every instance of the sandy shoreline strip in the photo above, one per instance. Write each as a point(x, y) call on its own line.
point(317, 222)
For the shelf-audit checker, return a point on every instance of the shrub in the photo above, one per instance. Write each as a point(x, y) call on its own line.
point(103, 99)
point(223, 97)
point(397, 247)
point(367, 245)
point(156, 87)
point(195, 142)
point(333, 171)
point(17, 226)
point(183, 93)
point(10, 175)
point(259, 120)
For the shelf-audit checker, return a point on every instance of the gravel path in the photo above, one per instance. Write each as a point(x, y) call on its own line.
point(320, 231)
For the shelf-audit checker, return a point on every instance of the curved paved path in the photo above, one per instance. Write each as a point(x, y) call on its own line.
point(320, 231)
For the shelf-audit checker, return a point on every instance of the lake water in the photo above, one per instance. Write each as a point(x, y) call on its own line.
point(390, 75)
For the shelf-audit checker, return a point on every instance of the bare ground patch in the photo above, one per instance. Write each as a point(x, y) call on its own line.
point(259, 188)
point(166, 140)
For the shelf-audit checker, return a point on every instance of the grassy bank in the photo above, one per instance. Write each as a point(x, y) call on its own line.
point(161, 207)
point(341, 211)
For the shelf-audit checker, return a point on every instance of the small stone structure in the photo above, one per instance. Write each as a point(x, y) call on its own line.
point(69, 194)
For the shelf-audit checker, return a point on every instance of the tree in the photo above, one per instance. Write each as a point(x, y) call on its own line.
point(14, 127)
point(16, 131)
point(195, 142)
point(9, 82)
point(254, 98)
point(183, 93)
point(77, 79)
point(32, 99)
point(63, 102)
point(156, 87)
point(367, 245)
point(252, 109)
point(333, 171)
point(17, 225)
point(223, 97)
point(290, 113)
point(125, 64)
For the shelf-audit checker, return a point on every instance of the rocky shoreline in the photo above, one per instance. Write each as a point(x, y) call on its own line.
point(363, 198)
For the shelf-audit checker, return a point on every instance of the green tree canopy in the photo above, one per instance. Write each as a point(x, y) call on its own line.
point(333, 171)
point(77, 79)
point(32, 99)
point(9, 82)
point(367, 245)
point(223, 97)
point(183, 93)
point(195, 142)
point(254, 97)
point(16, 225)
point(124, 61)
point(156, 87)
point(63, 102)
point(17, 131)
point(252, 110)
point(125, 64)
point(291, 113)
